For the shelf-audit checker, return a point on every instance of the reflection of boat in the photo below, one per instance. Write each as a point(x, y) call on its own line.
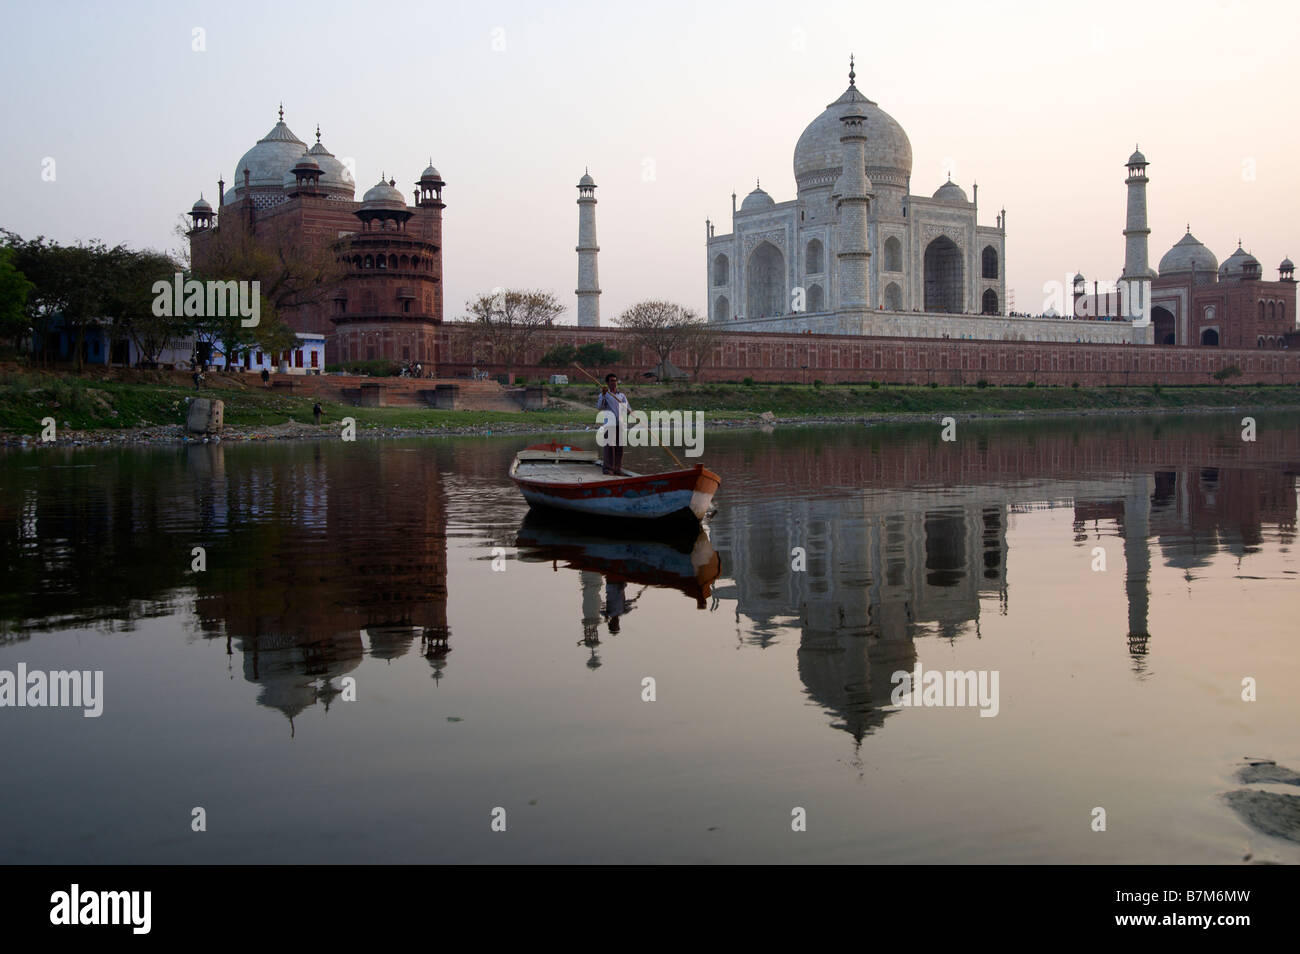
point(569, 478)
point(688, 564)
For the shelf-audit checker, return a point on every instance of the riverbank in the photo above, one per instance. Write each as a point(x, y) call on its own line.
point(150, 409)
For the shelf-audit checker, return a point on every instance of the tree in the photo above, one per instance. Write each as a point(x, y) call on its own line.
point(561, 356)
point(594, 354)
point(1222, 375)
point(292, 274)
point(661, 327)
point(14, 291)
point(130, 305)
point(701, 338)
point(70, 281)
point(507, 320)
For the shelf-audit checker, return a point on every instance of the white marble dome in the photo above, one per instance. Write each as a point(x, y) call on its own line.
point(268, 161)
point(950, 192)
point(1235, 264)
point(818, 151)
point(334, 176)
point(757, 201)
point(1189, 252)
point(305, 162)
point(383, 195)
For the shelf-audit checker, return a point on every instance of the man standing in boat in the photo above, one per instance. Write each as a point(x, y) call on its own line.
point(615, 401)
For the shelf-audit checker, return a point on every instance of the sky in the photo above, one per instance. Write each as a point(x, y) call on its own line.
point(672, 106)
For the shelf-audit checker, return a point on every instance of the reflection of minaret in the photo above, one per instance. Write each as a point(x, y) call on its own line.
point(1137, 563)
point(591, 583)
point(588, 278)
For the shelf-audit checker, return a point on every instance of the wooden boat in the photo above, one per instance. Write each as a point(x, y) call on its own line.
point(565, 477)
point(684, 562)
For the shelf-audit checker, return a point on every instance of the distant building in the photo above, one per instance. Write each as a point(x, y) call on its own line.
point(389, 303)
point(99, 347)
point(1197, 301)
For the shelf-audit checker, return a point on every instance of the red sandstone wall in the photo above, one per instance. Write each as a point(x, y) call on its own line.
point(838, 359)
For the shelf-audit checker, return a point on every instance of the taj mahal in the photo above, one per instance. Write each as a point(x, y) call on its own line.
point(925, 253)
point(861, 254)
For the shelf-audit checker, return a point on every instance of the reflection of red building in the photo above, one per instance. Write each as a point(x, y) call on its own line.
point(1197, 301)
point(389, 303)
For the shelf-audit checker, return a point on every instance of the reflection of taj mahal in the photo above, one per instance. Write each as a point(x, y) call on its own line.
point(919, 253)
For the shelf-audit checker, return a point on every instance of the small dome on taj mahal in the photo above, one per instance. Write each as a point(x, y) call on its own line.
point(950, 192)
point(757, 200)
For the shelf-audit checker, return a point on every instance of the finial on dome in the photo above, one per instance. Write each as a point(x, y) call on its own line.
point(318, 132)
point(757, 184)
point(852, 75)
point(281, 110)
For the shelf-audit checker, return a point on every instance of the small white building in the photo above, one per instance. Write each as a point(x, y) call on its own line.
point(307, 356)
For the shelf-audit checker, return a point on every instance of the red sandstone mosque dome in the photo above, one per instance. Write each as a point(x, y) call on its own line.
point(271, 161)
point(1235, 265)
point(1188, 255)
point(383, 195)
point(817, 153)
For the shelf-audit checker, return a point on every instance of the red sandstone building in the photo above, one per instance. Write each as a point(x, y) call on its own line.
point(1197, 301)
point(389, 302)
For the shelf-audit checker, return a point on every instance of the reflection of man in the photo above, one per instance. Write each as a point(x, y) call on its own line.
point(615, 401)
point(615, 602)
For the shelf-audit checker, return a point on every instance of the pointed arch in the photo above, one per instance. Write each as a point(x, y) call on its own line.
point(765, 282)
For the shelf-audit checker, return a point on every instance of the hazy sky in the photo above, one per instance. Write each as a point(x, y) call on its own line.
point(671, 105)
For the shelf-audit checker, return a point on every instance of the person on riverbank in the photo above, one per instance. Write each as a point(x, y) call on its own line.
point(266, 377)
point(316, 413)
point(615, 401)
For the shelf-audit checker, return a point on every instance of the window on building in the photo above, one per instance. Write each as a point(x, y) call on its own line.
point(990, 262)
point(813, 257)
point(893, 254)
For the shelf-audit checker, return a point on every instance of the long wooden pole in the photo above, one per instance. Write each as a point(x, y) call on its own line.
point(593, 379)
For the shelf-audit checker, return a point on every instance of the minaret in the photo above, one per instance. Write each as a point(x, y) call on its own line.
point(1135, 238)
point(854, 192)
point(588, 279)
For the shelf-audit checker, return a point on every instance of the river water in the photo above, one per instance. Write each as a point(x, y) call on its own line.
point(381, 659)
